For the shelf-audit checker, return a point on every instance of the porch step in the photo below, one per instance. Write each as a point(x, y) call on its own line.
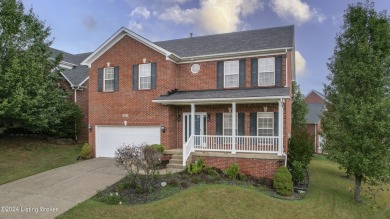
point(174, 151)
point(175, 166)
point(176, 161)
point(177, 156)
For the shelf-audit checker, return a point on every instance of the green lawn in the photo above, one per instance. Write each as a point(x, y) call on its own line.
point(24, 156)
point(328, 197)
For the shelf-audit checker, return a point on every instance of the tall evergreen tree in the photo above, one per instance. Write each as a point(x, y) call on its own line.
point(299, 107)
point(356, 122)
point(29, 94)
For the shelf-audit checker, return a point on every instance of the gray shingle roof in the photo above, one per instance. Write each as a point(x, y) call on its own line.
point(239, 93)
point(314, 114)
point(251, 40)
point(77, 74)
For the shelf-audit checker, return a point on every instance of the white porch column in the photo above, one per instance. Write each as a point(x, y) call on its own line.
point(280, 131)
point(192, 125)
point(234, 127)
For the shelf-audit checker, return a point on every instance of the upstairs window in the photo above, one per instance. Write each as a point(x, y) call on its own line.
point(108, 82)
point(145, 76)
point(231, 74)
point(266, 68)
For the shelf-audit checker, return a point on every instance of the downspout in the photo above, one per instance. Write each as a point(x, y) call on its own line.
point(286, 68)
point(315, 138)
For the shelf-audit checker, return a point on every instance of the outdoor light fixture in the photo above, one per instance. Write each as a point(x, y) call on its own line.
point(265, 109)
point(125, 123)
point(162, 129)
point(90, 127)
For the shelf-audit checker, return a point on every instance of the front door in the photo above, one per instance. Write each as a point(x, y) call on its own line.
point(200, 125)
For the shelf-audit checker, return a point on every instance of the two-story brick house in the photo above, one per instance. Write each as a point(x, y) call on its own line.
point(184, 94)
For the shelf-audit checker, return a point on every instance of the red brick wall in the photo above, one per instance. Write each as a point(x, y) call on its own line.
point(250, 166)
point(314, 98)
point(107, 108)
point(206, 78)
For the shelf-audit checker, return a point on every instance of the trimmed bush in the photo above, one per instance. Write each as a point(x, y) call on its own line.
point(232, 171)
point(297, 172)
point(86, 152)
point(158, 147)
point(283, 184)
point(196, 167)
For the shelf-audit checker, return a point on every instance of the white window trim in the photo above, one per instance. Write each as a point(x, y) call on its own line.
point(139, 77)
point(104, 79)
point(223, 123)
point(224, 74)
point(258, 73)
point(273, 122)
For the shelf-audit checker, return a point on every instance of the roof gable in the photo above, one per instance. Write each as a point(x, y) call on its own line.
point(118, 36)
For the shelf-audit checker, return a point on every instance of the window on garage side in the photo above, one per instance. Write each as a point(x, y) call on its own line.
point(145, 76)
point(108, 82)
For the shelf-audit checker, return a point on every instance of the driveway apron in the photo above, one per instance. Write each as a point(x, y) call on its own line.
point(49, 194)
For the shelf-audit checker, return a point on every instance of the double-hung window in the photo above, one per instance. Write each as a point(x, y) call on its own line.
point(231, 74)
point(265, 124)
point(108, 79)
point(228, 124)
point(266, 68)
point(145, 76)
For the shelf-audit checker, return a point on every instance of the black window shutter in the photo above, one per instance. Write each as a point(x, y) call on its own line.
point(241, 124)
point(116, 78)
point(219, 74)
point(254, 72)
point(242, 73)
point(218, 125)
point(135, 77)
point(278, 71)
point(276, 123)
point(154, 74)
point(253, 124)
point(100, 79)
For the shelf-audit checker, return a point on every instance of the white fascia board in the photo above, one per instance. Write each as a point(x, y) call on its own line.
point(84, 81)
point(71, 84)
point(232, 55)
point(222, 100)
point(118, 36)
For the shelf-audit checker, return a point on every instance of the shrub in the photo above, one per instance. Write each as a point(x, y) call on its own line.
point(297, 172)
point(86, 152)
point(196, 167)
point(242, 177)
point(300, 147)
point(112, 198)
point(173, 182)
point(158, 147)
point(232, 171)
point(184, 184)
point(136, 158)
point(283, 184)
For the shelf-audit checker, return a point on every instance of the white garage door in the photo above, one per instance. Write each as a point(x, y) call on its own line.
point(109, 138)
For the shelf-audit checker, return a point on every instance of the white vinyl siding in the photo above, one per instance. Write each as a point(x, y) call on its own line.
point(227, 124)
point(266, 68)
point(265, 124)
point(145, 76)
point(108, 82)
point(231, 74)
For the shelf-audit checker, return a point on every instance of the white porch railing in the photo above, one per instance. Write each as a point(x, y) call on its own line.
point(187, 149)
point(218, 143)
point(256, 144)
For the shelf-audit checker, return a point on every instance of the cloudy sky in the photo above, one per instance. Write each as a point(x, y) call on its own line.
point(83, 25)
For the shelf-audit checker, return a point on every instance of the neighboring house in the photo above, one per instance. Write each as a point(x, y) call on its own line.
point(315, 102)
point(184, 94)
point(76, 76)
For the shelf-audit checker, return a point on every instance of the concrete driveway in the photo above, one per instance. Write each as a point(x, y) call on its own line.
point(48, 194)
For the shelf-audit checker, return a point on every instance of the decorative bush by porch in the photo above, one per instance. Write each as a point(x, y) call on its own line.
point(283, 184)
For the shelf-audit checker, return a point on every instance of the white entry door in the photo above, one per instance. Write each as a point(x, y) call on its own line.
point(200, 125)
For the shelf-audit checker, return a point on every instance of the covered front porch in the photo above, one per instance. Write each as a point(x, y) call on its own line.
point(262, 133)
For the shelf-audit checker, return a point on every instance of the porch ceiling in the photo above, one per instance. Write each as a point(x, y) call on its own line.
point(202, 97)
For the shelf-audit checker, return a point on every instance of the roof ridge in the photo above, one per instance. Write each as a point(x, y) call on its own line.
point(228, 33)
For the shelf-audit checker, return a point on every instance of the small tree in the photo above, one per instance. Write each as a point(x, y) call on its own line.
point(299, 107)
point(356, 122)
point(139, 158)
